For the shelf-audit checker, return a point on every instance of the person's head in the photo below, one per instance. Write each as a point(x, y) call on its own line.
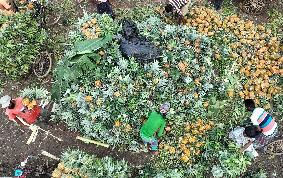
point(250, 104)
point(5, 101)
point(251, 131)
point(169, 8)
point(164, 108)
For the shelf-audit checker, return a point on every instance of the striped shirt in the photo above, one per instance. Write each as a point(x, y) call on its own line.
point(264, 120)
point(178, 4)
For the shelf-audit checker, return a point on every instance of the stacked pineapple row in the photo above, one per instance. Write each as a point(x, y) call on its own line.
point(252, 46)
point(64, 172)
point(91, 29)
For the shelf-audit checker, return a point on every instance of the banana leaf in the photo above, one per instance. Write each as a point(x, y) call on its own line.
point(90, 46)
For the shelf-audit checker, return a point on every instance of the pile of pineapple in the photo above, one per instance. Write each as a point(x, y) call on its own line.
point(91, 29)
point(253, 47)
point(64, 172)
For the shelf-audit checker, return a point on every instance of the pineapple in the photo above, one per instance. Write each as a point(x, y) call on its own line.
point(61, 166)
point(56, 173)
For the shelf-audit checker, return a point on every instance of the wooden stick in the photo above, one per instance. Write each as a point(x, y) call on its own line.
point(33, 135)
point(92, 141)
point(45, 153)
point(47, 132)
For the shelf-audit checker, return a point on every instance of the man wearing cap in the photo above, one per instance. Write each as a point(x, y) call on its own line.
point(15, 110)
point(154, 127)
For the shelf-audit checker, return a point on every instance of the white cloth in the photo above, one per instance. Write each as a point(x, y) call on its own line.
point(254, 117)
point(238, 136)
point(5, 101)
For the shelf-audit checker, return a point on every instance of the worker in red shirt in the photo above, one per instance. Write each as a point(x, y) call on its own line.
point(15, 109)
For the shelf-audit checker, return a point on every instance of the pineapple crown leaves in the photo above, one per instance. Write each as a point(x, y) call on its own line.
point(155, 67)
point(35, 93)
point(86, 17)
point(123, 64)
point(217, 171)
point(188, 79)
point(80, 99)
point(108, 93)
point(170, 29)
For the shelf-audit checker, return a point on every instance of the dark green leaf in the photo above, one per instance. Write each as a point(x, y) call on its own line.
point(89, 46)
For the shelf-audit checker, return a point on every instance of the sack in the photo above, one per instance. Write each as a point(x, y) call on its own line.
point(132, 45)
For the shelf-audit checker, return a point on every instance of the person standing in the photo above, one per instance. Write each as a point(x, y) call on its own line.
point(154, 127)
point(262, 120)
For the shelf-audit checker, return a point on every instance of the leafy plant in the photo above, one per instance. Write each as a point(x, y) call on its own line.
point(78, 163)
point(78, 63)
point(198, 73)
point(35, 93)
point(276, 22)
point(20, 42)
point(257, 173)
point(232, 162)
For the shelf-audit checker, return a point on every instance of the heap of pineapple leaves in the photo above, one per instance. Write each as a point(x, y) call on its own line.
point(207, 65)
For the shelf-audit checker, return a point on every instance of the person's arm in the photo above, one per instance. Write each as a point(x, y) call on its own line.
point(161, 129)
point(258, 128)
point(255, 122)
point(4, 4)
point(180, 18)
point(246, 146)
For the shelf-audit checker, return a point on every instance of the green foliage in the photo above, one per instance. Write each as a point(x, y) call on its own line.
point(110, 89)
point(127, 86)
point(232, 162)
point(257, 174)
point(20, 42)
point(138, 13)
point(92, 166)
point(90, 46)
point(35, 93)
point(77, 64)
point(276, 22)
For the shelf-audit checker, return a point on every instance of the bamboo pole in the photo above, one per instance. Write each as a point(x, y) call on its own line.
point(47, 132)
point(92, 141)
point(45, 153)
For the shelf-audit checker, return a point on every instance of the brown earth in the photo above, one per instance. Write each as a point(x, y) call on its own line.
point(13, 147)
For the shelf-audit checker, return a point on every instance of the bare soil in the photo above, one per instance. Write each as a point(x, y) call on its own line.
point(270, 163)
point(13, 147)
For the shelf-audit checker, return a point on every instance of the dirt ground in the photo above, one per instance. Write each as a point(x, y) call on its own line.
point(272, 164)
point(13, 147)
